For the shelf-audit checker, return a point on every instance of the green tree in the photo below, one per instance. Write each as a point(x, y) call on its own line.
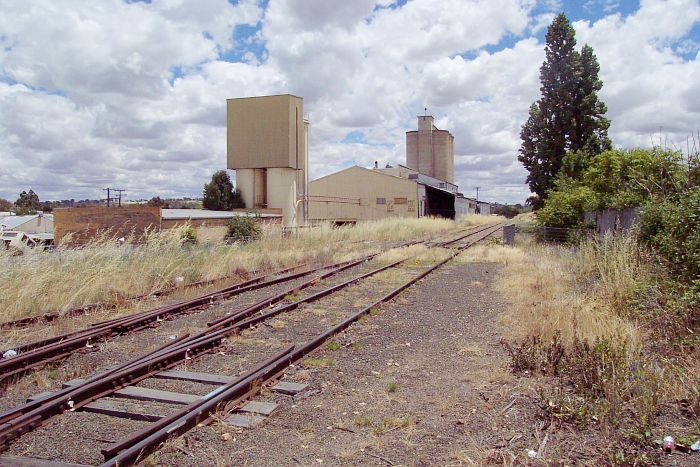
point(158, 202)
point(5, 205)
point(27, 203)
point(568, 116)
point(590, 125)
point(218, 194)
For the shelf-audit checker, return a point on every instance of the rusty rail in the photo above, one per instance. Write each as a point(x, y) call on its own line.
point(17, 421)
point(145, 441)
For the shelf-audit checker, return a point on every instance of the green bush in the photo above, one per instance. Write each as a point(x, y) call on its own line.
point(188, 235)
point(566, 208)
point(614, 179)
point(243, 226)
point(673, 228)
point(627, 178)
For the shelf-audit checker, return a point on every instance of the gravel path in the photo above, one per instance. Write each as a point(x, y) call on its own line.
point(425, 382)
point(404, 386)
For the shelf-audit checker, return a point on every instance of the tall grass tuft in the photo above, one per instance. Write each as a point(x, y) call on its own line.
point(565, 293)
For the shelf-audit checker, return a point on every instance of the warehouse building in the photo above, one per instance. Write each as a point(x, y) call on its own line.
point(423, 187)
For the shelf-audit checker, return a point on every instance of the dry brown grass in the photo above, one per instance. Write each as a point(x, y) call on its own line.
point(555, 290)
point(104, 271)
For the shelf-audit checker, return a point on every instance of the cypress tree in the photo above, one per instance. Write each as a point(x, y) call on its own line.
point(218, 194)
point(568, 116)
point(591, 131)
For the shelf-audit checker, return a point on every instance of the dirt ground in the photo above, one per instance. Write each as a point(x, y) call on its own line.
point(425, 382)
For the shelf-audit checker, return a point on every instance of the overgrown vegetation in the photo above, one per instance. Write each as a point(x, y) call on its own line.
point(612, 327)
point(614, 179)
point(244, 227)
point(672, 227)
point(106, 271)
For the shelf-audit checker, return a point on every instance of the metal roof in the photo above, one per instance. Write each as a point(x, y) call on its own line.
point(11, 222)
point(206, 214)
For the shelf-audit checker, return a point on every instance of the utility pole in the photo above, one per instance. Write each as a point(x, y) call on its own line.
point(478, 208)
point(117, 198)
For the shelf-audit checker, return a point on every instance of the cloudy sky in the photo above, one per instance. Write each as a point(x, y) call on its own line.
point(131, 94)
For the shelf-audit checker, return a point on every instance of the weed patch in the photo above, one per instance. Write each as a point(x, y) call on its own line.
point(333, 346)
point(363, 421)
point(319, 362)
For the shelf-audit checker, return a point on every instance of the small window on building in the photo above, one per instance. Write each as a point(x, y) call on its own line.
point(442, 185)
point(381, 200)
point(400, 201)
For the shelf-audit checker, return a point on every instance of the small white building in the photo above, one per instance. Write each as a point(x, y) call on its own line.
point(31, 224)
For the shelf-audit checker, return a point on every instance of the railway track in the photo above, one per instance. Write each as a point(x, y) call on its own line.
point(86, 395)
point(38, 353)
point(52, 316)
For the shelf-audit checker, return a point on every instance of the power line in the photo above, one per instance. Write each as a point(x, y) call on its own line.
point(117, 198)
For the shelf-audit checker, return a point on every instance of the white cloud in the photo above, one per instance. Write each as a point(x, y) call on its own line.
point(648, 88)
point(133, 94)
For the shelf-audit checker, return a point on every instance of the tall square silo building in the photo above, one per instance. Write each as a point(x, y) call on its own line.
point(430, 150)
point(267, 146)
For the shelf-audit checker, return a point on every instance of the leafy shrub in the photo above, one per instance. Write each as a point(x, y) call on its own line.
point(565, 208)
point(188, 235)
point(673, 228)
point(242, 226)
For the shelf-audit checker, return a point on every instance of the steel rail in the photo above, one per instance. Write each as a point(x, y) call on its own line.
point(31, 405)
point(27, 417)
point(52, 349)
point(251, 284)
point(147, 440)
point(30, 415)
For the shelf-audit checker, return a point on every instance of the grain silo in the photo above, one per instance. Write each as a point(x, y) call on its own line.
point(430, 150)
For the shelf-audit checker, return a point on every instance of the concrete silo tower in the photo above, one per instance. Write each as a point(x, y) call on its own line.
point(267, 146)
point(430, 150)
